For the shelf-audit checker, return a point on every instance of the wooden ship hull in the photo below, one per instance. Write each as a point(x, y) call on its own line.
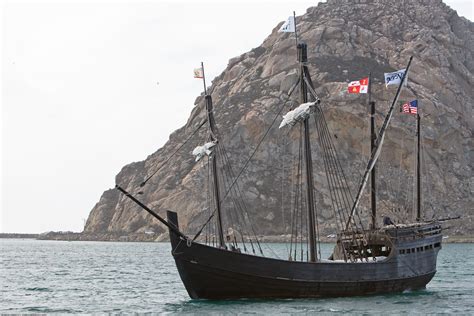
point(213, 273)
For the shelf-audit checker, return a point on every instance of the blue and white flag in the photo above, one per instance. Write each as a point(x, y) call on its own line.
point(394, 77)
point(288, 26)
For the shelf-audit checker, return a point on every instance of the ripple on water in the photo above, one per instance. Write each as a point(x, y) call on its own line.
point(38, 289)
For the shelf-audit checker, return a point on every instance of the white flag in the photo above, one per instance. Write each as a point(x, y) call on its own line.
point(198, 73)
point(395, 77)
point(288, 26)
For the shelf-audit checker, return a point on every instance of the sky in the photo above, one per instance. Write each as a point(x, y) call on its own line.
point(88, 87)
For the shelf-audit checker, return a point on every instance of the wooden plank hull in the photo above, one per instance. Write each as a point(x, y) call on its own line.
point(214, 273)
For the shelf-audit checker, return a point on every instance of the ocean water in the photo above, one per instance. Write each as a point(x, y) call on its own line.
point(107, 277)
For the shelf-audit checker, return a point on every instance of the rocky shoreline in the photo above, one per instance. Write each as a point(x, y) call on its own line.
point(18, 236)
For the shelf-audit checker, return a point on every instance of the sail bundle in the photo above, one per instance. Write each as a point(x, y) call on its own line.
point(299, 114)
point(201, 151)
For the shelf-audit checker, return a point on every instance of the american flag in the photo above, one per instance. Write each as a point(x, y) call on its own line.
point(410, 107)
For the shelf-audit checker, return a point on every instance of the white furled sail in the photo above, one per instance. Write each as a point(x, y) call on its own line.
point(298, 114)
point(201, 151)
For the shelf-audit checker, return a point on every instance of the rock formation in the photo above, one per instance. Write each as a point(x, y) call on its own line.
point(346, 39)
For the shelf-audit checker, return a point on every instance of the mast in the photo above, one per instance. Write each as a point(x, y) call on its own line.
point(212, 136)
point(373, 139)
point(418, 167)
point(303, 58)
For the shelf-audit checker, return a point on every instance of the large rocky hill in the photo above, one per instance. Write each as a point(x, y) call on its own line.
point(346, 40)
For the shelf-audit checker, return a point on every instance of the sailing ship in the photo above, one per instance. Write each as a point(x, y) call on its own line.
point(221, 262)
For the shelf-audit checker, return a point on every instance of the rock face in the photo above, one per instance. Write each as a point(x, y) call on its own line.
point(346, 39)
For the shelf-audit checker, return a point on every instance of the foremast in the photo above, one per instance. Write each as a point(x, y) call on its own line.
point(212, 137)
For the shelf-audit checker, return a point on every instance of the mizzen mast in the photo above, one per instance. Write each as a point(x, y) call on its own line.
point(418, 167)
point(373, 141)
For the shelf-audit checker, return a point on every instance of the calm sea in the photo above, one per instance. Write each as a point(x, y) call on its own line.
point(106, 277)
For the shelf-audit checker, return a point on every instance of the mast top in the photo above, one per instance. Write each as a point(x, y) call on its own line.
point(302, 52)
point(203, 78)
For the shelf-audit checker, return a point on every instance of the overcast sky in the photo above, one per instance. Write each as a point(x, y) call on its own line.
point(88, 87)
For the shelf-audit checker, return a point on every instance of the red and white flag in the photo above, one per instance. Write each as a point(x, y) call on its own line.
point(359, 86)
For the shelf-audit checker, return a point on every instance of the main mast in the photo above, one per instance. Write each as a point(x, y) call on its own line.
point(213, 138)
point(303, 58)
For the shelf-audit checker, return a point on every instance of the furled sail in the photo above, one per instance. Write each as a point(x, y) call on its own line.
point(298, 114)
point(201, 151)
point(376, 153)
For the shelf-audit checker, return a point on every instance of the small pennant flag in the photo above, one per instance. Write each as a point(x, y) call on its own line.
point(394, 77)
point(198, 73)
point(410, 107)
point(288, 26)
point(359, 86)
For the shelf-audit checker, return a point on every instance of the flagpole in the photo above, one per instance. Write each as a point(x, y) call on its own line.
point(296, 34)
point(370, 87)
point(203, 78)
point(418, 164)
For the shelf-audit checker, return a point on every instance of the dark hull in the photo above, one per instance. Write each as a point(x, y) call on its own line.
point(213, 273)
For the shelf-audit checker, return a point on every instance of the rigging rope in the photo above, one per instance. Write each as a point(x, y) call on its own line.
point(250, 158)
point(329, 180)
point(282, 154)
point(428, 187)
point(335, 164)
point(341, 195)
point(227, 167)
point(298, 197)
point(172, 155)
point(238, 203)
